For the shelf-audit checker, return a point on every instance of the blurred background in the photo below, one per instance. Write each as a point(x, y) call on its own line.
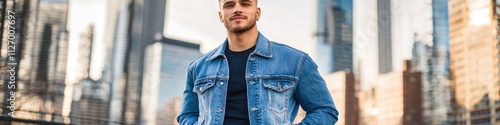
point(124, 62)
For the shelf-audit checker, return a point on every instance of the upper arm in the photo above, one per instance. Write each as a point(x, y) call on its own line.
point(189, 107)
point(312, 93)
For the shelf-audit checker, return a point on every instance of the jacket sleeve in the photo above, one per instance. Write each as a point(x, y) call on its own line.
point(313, 96)
point(189, 112)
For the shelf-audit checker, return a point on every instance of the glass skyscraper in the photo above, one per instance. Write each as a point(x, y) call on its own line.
point(165, 70)
point(432, 59)
point(133, 25)
point(335, 35)
point(340, 32)
point(384, 36)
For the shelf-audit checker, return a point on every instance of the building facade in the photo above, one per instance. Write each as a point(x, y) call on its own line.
point(165, 69)
point(431, 57)
point(474, 60)
point(41, 41)
point(90, 101)
point(334, 34)
point(132, 25)
point(384, 16)
point(398, 98)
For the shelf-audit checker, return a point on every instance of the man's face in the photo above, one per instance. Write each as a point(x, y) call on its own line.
point(239, 15)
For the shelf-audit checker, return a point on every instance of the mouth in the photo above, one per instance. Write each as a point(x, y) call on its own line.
point(237, 18)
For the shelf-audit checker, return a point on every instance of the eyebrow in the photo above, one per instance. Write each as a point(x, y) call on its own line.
point(225, 2)
point(232, 1)
point(246, 1)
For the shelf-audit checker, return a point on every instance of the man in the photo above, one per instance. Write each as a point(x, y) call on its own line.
point(251, 80)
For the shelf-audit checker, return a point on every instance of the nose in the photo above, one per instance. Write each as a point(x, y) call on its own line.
point(237, 9)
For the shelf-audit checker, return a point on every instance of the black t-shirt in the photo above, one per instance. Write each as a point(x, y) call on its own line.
point(236, 100)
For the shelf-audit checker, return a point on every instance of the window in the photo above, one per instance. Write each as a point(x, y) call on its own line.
point(457, 13)
point(457, 3)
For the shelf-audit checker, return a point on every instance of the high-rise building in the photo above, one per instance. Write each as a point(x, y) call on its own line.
point(343, 88)
point(41, 44)
point(165, 72)
point(436, 89)
point(474, 61)
point(368, 106)
point(432, 59)
point(117, 38)
point(435, 85)
point(170, 111)
point(398, 98)
point(132, 26)
point(384, 36)
point(6, 7)
point(41, 53)
point(323, 48)
point(3, 10)
point(334, 35)
point(90, 101)
point(339, 29)
point(146, 23)
point(85, 46)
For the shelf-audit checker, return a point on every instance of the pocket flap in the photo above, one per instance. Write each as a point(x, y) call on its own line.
point(201, 86)
point(278, 85)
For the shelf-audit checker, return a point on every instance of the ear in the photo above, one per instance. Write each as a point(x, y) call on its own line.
point(257, 14)
point(220, 17)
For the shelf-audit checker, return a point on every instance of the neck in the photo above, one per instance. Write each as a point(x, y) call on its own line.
point(242, 41)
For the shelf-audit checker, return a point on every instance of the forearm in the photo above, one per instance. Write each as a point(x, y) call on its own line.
point(187, 119)
point(189, 111)
point(321, 116)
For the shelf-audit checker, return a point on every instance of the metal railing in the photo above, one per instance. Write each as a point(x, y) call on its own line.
point(75, 120)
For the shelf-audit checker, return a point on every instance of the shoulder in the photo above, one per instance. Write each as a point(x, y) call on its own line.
point(280, 49)
point(200, 60)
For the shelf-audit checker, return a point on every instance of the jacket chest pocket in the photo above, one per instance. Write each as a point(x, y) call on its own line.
point(278, 93)
point(203, 88)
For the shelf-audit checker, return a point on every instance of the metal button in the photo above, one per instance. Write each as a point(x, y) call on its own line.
point(220, 110)
point(221, 83)
point(252, 75)
point(254, 109)
point(201, 88)
point(252, 82)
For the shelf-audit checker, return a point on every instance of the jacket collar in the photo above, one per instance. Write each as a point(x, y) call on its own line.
point(262, 48)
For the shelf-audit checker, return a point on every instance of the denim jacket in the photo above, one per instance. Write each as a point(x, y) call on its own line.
point(279, 79)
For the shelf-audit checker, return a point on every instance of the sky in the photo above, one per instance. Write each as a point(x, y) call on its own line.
point(291, 22)
point(83, 13)
point(197, 21)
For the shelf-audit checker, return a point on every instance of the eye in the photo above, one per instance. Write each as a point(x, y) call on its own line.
point(247, 3)
point(228, 5)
